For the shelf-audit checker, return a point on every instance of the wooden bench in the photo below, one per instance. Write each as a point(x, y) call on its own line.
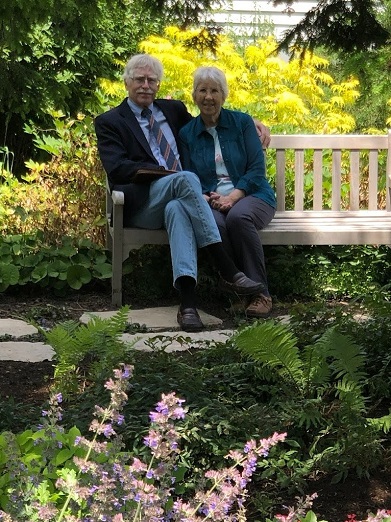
point(331, 190)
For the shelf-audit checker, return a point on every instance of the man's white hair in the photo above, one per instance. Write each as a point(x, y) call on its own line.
point(143, 60)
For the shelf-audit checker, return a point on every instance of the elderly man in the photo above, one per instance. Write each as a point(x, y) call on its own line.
point(141, 133)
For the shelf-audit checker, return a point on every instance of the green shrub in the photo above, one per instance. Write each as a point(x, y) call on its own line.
point(320, 392)
point(327, 272)
point(28, 260)
point(63, 196)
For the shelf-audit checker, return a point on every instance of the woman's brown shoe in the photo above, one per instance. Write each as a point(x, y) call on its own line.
point(260, 306)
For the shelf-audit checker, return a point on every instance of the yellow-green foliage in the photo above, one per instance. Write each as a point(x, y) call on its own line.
point(389, 119)
point(64, 196)
point(294, 96)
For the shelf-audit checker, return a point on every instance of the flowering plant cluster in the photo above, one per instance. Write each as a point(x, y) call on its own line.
point(101, 482)
point(82, 480)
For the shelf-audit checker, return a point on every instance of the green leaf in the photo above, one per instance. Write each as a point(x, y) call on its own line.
point(103, 271)
point(77, 276)
point(73, 433)
point(56, 268)
point(275, 346)
point(9, 275)
point(63, 455)
point(67, 251)
point(39, 272)
point(31, 260)
point(310, 517)
point(80, 259)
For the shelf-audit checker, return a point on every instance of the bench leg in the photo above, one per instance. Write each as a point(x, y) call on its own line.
point(117, 257)
point(116, 282)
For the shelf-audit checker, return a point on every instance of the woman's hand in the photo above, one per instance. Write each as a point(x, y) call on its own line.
point(220, 203)
point(225, 203)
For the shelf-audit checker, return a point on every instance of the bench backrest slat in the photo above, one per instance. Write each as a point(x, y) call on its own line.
point(280, 179)
point(354, 164)
point(318, 180)
point(388, 170)
point(373, 179)
point(336, 180)
point(354, 180)
point(299, 179)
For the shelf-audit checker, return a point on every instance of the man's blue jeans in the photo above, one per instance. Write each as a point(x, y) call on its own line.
point(176, 203)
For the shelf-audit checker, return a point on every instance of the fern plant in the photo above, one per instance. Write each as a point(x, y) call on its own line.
point(87, 353)
point(321, 388)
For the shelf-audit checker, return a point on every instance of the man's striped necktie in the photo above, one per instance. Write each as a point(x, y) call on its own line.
point(167, 153)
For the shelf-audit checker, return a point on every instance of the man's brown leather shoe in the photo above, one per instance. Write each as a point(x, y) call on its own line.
point(189, 320)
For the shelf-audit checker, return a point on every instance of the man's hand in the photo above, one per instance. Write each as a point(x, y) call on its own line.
point(263, 133)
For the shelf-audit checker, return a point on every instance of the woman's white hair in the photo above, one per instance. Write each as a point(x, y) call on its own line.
point(143, 60)
point(210, 73)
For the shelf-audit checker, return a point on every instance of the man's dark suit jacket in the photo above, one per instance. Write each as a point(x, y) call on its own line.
point(123, 148)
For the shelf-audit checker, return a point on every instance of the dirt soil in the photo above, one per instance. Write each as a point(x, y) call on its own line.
point(29, 383)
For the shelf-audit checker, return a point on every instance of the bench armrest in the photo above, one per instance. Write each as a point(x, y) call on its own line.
point(118, 197)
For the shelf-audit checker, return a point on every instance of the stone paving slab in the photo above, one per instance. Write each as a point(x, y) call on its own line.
point(176, 341)
point(157, 319)
point(16, 328)
point(160, 320)
point(163, 333)
point(25, 351)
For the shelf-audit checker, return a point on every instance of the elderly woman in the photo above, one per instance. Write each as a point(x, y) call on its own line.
point(222, 147)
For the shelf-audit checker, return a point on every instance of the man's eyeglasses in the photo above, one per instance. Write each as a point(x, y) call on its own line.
point(142, 79)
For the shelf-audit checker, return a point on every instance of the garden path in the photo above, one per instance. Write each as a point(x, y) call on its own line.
point(17, 336)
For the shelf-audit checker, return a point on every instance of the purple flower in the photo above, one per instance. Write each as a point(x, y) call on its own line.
point(119, 419)
point(108, 430)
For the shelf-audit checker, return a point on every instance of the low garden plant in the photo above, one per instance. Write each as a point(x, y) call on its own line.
point(53, 475)
point(69, 263)
point(268, 378)
point(322, 388)
point(50, 474)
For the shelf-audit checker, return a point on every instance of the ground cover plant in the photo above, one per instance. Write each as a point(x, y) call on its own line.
point(234, 396)
point(27, 259)
point(54, 475)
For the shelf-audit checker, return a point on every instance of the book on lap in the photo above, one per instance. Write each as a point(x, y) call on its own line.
point(151, 174)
